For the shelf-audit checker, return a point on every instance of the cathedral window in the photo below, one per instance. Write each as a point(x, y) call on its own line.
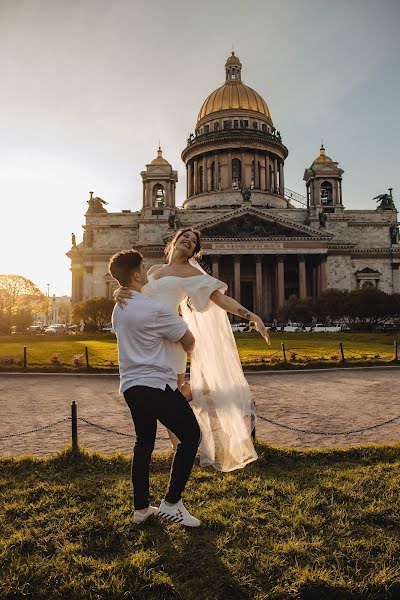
point(236, 173)
point(216, 125)
point(264, 127)
point(255, 125)
point(326, 193)
point(236, 124)
point(206, 128)
point(245, 123)
point(227, 124)
point(158, 195)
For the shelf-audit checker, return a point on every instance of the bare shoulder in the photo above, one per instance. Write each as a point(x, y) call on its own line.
point(154, 268)
point(190, 271)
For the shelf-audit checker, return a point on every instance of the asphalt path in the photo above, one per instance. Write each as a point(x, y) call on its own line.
point(331, 400)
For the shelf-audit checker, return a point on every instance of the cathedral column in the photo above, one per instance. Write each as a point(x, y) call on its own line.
point(215, 266)
point(275, 175)
point(144, 196)
point(77, 284)
point(195, 177)
point(229, 170)
point(205, 175)
point(340, 192)
point(281, 181)
point(256, 173)
point(323, 280)
point(242, 169)
point(189, 180)
point(216, 172)
point(280, 279)
point(259, 287)
point(236, 277)
point(314, 281)
point(267, 181)
point(302, 277)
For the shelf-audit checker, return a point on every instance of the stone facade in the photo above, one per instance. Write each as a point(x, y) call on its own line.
point(264, 241)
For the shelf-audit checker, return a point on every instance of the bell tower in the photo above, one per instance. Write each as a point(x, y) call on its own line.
point(159, 183)
point(324, 185)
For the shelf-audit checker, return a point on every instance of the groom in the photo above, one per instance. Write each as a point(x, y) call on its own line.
point(145, 331)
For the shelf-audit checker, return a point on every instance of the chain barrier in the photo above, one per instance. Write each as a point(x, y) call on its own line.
point(350, 431)
point(105, 428)
point(3, 437)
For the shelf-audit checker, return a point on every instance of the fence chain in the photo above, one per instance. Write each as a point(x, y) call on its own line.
point(105, 428)
point(2, 437)
point(350, 431)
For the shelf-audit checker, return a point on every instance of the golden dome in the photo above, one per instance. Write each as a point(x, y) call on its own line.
point(159, 160)
point(322, 158)
point(233, 94)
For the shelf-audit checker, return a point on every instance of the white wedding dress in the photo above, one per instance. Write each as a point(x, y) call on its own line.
point(222, 400)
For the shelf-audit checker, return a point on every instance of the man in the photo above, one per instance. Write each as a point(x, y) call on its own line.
point(145, 330)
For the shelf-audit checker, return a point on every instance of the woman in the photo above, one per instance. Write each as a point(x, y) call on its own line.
point(222, 400)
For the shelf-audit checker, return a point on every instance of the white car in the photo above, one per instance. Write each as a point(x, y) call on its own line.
point(58, 328)
point(293, 327)
point(237, 328)
point(321, 328)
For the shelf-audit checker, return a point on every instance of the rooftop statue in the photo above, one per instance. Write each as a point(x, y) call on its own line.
point(386, 201)
point(246, 194)
point(96, 204)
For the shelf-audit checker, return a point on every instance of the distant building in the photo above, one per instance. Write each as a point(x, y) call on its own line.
point(265, 241)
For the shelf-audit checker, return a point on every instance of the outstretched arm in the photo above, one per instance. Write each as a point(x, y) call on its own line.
point(230, 305)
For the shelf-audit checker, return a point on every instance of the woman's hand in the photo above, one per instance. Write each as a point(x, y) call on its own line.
point(262, 330)
point(120, 294)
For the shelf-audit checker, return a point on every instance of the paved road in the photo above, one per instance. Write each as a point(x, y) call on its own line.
point(331, 400)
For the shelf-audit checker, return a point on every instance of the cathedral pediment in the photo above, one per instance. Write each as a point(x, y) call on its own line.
point(252, 223)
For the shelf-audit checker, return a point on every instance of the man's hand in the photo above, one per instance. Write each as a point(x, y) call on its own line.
point(188, 341)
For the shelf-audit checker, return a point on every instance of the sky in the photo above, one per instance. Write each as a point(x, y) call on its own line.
point(89, 87)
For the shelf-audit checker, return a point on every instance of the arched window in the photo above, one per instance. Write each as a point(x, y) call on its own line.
point(367, 284)
point(236, 173)
point(158, 195)
point(212, 169)
point(201, 180)
point(326, 193)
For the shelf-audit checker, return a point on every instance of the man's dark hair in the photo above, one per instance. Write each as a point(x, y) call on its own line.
point(123, 263)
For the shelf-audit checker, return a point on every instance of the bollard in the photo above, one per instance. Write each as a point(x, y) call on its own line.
point(341, 351)
point(25, 358)
point(74, 421)
point(396, 351)
point(284, 352)
point(87, 358)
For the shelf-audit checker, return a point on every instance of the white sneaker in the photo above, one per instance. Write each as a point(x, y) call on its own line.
point(177, 513)
point(140, 517)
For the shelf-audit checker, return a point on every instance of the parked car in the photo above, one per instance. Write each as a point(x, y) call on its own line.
point(292, 327)
point(321, 328)
point(57, 328)
point(239, 327)
point(35, 329)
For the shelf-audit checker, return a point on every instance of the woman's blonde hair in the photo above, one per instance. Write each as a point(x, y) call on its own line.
point(169, 248)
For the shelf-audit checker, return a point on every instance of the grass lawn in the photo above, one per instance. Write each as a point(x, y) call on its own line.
point(298, 525)
point(252, 348)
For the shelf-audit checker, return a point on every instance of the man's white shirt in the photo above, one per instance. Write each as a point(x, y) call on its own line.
point(145, 330)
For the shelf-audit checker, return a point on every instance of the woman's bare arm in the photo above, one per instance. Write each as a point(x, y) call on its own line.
point(232, 306)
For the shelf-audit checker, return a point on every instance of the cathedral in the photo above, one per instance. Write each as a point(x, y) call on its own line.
point(265, 241)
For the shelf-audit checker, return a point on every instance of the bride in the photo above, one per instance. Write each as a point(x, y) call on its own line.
point(221, 397)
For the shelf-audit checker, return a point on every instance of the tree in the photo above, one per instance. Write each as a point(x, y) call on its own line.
point(367, 308)
point(94, 311)
point(332, 305)
point(20, 298)
point(298, 311)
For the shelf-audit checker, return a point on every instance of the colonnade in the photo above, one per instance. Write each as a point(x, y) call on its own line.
point(272, 278)
point(229, 170)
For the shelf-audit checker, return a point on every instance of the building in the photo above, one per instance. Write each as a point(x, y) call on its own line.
point(264, 241)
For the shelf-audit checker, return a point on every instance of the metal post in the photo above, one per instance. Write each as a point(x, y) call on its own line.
point(341, 351)
point(284, 352)
point(25, 358)
point(87, 358)
point(74, 421)
point(396, 351)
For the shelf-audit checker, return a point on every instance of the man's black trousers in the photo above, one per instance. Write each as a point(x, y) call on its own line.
point(147, 405)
